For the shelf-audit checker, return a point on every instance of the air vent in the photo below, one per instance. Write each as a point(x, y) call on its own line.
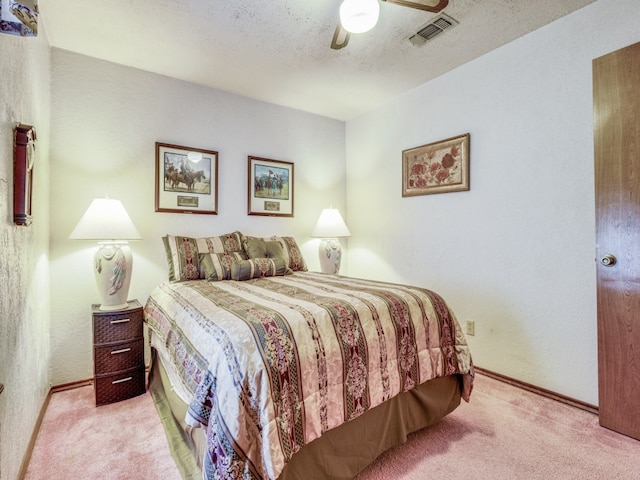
point(430, 30)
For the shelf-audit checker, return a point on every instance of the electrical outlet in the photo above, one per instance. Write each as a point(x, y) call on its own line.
point(471, 327)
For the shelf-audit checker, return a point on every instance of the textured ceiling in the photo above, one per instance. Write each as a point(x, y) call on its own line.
point(278, 50)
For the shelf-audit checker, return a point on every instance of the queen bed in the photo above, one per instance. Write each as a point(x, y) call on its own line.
point(261, 369)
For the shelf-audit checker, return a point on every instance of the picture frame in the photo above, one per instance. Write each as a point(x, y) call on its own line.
point(186, 179)
point(438, 167)
point(271, 187)
point(24, 145)
point(19, 17)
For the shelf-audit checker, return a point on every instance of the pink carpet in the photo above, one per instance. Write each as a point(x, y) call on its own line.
point(505, 433)
point(120, 441)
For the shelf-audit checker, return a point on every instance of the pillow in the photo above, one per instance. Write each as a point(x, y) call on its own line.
point(183, 253)
point(258, 267)
point(256, 247)
point(229, 242)
point(292, 254)
point(290, 251)
point(218, 266)
point(182, 257)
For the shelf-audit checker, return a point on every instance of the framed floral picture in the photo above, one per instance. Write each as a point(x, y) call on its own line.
point(436, 167)
point(270, 187)
point(186, 179)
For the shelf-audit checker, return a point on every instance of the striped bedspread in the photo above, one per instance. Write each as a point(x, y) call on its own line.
point(268, 365)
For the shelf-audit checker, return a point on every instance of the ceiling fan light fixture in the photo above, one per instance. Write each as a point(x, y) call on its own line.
point(359, 16)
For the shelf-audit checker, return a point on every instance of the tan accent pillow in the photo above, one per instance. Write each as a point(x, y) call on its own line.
point(256, 247)
point(290, 250)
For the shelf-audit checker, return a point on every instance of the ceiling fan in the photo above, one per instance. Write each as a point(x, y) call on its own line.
point(358, 16)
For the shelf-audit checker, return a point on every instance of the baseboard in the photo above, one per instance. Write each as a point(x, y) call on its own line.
point(72, 385)
point(540, 391)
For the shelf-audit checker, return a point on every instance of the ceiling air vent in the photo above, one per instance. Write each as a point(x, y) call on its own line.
point(430, 30)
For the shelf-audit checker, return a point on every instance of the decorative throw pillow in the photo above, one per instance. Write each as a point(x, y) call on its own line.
point(256, 247)
point(290, 250)
point(182, 257)
point(258, 267)
point(218, 266)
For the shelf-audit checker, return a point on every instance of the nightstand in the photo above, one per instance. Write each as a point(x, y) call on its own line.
point(118, 353)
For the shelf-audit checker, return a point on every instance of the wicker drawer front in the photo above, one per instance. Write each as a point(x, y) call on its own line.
point(119, 356)
point(123, 385)
point(117, 327)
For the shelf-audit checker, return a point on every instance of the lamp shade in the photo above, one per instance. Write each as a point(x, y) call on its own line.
point(105, 219)
point(359, 16)
point(330, 225)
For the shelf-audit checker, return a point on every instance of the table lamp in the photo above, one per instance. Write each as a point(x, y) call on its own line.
point(107, 221)
point(330, 227)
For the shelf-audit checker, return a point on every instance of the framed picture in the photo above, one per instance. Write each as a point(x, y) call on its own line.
point(436, 167)
point(186, 179)
point(19, 17)
point(24, 145)
point(270, 187)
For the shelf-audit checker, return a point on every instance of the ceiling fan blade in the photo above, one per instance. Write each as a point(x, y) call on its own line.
point(340, 38)
point(427, 5)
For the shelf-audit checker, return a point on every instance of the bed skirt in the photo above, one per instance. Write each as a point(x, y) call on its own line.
point(340, 453)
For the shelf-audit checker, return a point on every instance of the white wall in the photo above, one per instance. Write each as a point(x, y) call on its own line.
point(105, 122)
point(24, 266)
point(516, 252)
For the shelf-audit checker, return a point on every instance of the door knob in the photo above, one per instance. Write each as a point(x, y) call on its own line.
point(608, 260)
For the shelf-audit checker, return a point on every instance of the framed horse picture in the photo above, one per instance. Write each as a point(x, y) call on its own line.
point(270, 187)
point(186, 179)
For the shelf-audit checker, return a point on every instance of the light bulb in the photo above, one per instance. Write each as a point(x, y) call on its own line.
point(359, 16)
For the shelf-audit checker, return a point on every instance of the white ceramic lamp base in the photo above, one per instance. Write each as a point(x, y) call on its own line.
point(112, 267)
point(330, 253)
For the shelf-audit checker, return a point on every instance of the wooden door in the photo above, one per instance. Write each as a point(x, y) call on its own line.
point(616, 99)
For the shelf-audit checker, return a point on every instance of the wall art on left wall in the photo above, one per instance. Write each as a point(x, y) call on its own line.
point(24, 146)
point(19, 17)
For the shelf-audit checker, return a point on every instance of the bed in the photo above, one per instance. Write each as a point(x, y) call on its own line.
point(262, 369)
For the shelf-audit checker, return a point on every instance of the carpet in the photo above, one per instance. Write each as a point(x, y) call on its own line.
point(78, 440)
point(504, 433)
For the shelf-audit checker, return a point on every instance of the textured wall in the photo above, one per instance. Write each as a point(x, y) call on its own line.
point(24, 264)
point(516, 252)
point(105, 122)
